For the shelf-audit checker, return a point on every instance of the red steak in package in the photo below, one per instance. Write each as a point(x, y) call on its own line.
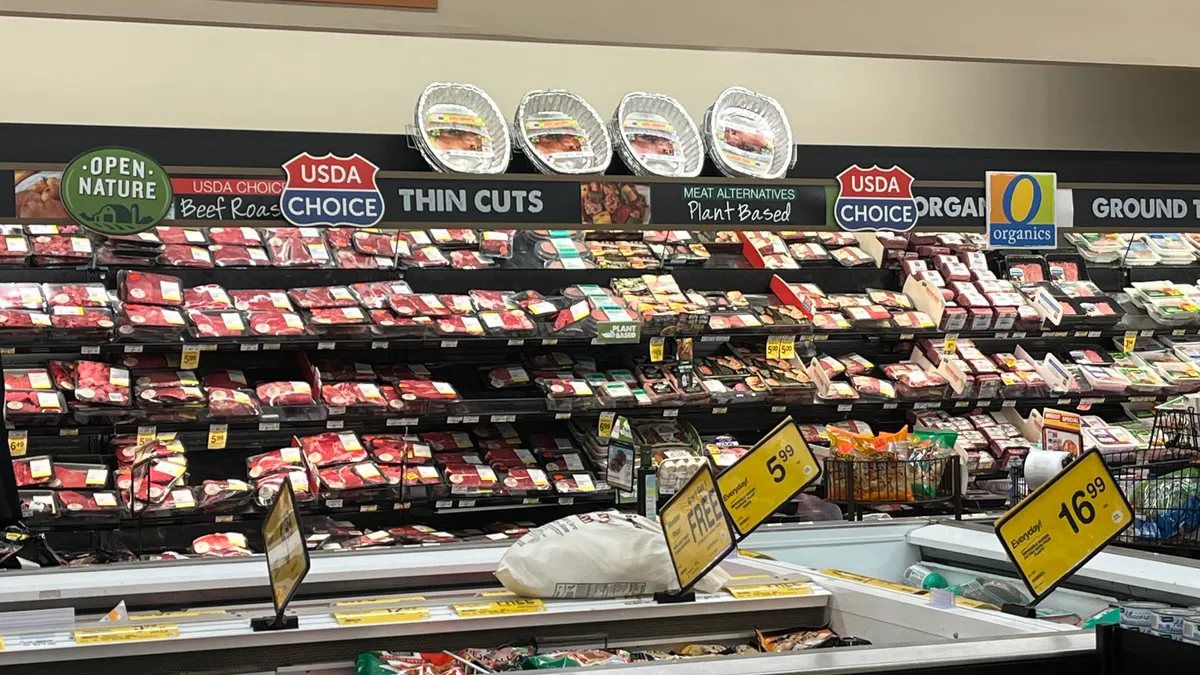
point(470, 260)
point(76, 295)
point(181, 235)
point(148, 316)
point(302, 250)
point(273, 462)
point(63, 373)
point(34, 403)
point(353, 394)
point(168, 396)
point(62, 248)
point(223, 494)
point(31, 471)
point(333, 448)
point(21, 296)
point(266, 489)
point(351, 476)
point(231, 403)
point(323, 296)
point(222, 545)
point(382, 244)
point(167, 378)
point(285, 393)
point(88, 502)
point(413, 390)
point(511, 322)
point(493, 301)
point(353, 260)
point(459, 326)
point(226, 379)
point(28, 379)
point(79, 476)
point(23, 319)
point(340, 237)
point(522, 478)
point(82, 318)
point(240, 256)
point(444, 441)
point(410, 475)
point(337, 370)
point(338, 316)
point(183, 255)
point(235, 236)
point(261, 300)
point(470, 476)
point(375, 294)
point(397, 449)
point(217, 324)
point(276, 324)
point(144, 288)
point(100, 383)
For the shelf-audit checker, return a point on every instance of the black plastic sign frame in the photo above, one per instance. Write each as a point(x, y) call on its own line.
point(705, 471)
point(281, 528)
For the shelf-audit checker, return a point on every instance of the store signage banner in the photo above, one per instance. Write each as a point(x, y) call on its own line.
point(1021, 209)
point(226, 198)
point(482, 201)
point(942, 206)
point(111, 191)
point(738, 205)
point(1151, 208)
point(331, 190)
point(875, 200)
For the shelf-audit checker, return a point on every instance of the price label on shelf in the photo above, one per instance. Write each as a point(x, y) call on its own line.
point(605, 426)
point(771, 590)
point(18, 443)
point(516, 342)
point(671, 412)
point(1178, 332)
point(697, 528)
point(218, 435)
point(720, 410)
point(89, 349)
point(779, 408)
point(549, 342)
point(1054, 531)
point(498, 419)
point(658, 345)
point(133, 349)
point(449, 344)
point(562, 416)
point(249, 347)
point(470, 419)
point(190, 358)
point(325, 346)
point(98, 636)
point(270, 346)
point(890, 406)
point(379, 344)
point(845, 407)
point(268, 426)
point(381, 616)
point(950, 343)
point(499, 608)
point(1129, 341)
point(773, 472)
point(781, 346)
point(907, 336)
point(335, 424)
point(146, 434)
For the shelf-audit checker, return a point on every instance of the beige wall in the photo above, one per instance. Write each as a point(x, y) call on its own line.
point(173, 75)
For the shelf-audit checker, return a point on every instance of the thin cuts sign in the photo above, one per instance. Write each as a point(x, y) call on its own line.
point(115, 191)
point(331, 190)
point(1021, 209)
point(875, 200)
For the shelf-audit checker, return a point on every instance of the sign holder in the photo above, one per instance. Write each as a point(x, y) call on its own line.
point(287, 559)
point(696, 516)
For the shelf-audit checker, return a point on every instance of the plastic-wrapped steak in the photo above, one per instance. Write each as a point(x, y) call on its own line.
point(91, 320)
point(273, 462)
point(232, 403)
point(285, 393)
point(208, 296)
point(61, 247)
point(21, 296)
point(511, 322)
point(353, 260)
point(235, 236)
point(276, 324)
point(217, 324)
point(76, 295)
point(257, 300)
point(332, 448)
point(181, 235)
point(144, 288)
point(297, 251)
point(183, 255)
point(100, 383)
point(375, 294)
point(169, 396)
point(351, 476)
point(323, 296)
point(470, 260)
point(240, 256)
point(353, 394)
point(220, 495)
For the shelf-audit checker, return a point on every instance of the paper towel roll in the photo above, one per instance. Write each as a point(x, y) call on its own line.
point(1042, 465)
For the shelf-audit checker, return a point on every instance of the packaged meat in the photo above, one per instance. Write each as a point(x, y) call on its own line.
point(144, 288)
point(873, 388)
point(231, 403)
point(206, 297)
point(471, 476)
point(221, 495)
point(63, 373)
point(333, 448)
point(336, 369)
point(507, 323)
point(14, 248)
point(221, 545)
point(493, 301)
point(58, 249)
point(285, 393)
point(353, 394)
point(21, 296)
point(261, 300)
point(88, 502)
point(183, 255)
point(375, 294)
point(151, 481)
point(426, 256)
point(388, 245)
point(100, 383)
point(337, 316)
point(227, 379)
point(273, 462)
point(267, 488)
point(288, 247)
point(235, 236)
point(397, 449)
point(423, 474)
point(461, 238)
point(167, 378)
point(17, 322)
point(340, 237)
point(444, 441)
point(206, 325)
point(323, 296)
point(79, 476)
point(181, 235)
point(352, 476)
point(570, 483)
point(137, 318)
point(151, 397)
point(276, 324)
point(521, 478)
point(33, 471)
point(414, 390)
point(28, 379)
point(470, 260)
point(76, 295)
point(240, 256)
point(466, 326)
point(497, 243)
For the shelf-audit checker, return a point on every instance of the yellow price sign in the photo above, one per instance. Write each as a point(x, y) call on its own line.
point(287, 554)
point(950, 344)
point(773, 472)
point(781, 346)
point(658, 346)
point(178, 615)
point(18, 443)
point(1064, 523)
point(605, 427)
point(872, 581)
point(696, 527)
point(379, 616)
point(218, 436)
point(771, 590)
point(497, 594)
point(1129, 341)
point(146, 434)
point(380, 601)
point(498, 608)
point(97, 636)
point(190, 358)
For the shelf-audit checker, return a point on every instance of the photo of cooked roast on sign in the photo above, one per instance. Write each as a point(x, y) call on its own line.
point(615, 203)
point(37, 194)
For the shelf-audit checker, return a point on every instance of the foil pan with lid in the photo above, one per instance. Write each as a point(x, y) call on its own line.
point(460, 129)
point(748, 135)
point(561, 133)
point(655, 136)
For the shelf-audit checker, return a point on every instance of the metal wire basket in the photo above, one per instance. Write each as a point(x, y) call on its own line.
point(858, 483)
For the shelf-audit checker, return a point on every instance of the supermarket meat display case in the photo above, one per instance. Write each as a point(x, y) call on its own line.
point(433, 388)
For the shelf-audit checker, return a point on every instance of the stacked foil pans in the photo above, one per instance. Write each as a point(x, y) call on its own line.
point(748, 135)
point(655, 136)
point(582, 147)
point(460, 129)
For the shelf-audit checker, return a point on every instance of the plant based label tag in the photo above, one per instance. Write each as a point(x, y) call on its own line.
point(1057, 529)
point(774, 471)
point(115, 191)
point(617, 332)
point(1021, 209)
point(331, 190)
point(875, 199)
point(697, 528)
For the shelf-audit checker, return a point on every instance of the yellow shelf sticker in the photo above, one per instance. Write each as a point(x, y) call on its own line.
point(497, 594)
point(771, 590)
point(380, 601)
point(379, 616)
point(657, 347)
point(697, 528)
point(189, 359)
point(1061, 525)
point(177, 615)
point(218, 436)
point(781, 346)
point(773, 472)
point(499, 608)
point(872, 581)
point(97, 636)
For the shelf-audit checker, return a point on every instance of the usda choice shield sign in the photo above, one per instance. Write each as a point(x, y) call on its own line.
point(1021, 209)
point(875, 199)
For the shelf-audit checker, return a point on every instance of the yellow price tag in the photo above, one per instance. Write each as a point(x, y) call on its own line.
point(696, 527)
point(1129, 341)
point(872, 581)
point(606, 424)
point(764, 479)
point(1, 644)
point(18, 443)
point(97, 636)
point(380, 601)
point(146, 434)
point(218, 435)
point(771, 590)
point(177, 615)
point(781, 346)
point(950, 344)
point(190, 358)
point(658, 345)
point(1054, 531)
point(378, 616)
point(500, 607)
point(497, 594)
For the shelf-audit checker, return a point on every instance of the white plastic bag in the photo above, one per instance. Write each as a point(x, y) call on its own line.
point(606, 554)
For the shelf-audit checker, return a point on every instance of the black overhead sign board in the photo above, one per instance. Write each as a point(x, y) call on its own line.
point(1163, 209)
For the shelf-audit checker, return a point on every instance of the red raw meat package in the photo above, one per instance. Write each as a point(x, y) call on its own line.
point(411, 390)
point(183, 255)
point(181, 235)
point(149, 316)
point(298, 251)
point(235, 236)
point(273, 462)
point(63, 373)
point(497, 243)
point(223, 545)
point(167, 378)
point(337, 316)
point(470, 476)
point(163, 473)
point(410, 475)
point(266, 489)
point(340, 237)
point(28, 379)
point(240, 256)
point(226, 379)
point(335, 369)
point(149, 361)
point(381, 244)
point(493, 301)
point(161, 448)
point(208, 296)
point(145, 288)
point(459, 326)
point(76, 295)
point(442, 441)
point(261, 300)
point(14, 248)
point(81, 318)
point(526, 479)
point(231, 403)
point(31, 471)
point(217, 324)
point(353, 394)
point(375, 294)
point(351, 476)
point(333, 448)
point(509, 458)
point(62, 247)
point(168, 396)
point(276, 324)
point(34, 403)
point(79, 476)
point(285, 393)
point(223, 493)
point(457, 304)
point(426, 256)
point(353, 260)
point(88, 502)
point(511, 322)
point(23, 318)
point(21, 296)
point(100, 383)
point(323, 296)
point(397, 449)
point(470, 260)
